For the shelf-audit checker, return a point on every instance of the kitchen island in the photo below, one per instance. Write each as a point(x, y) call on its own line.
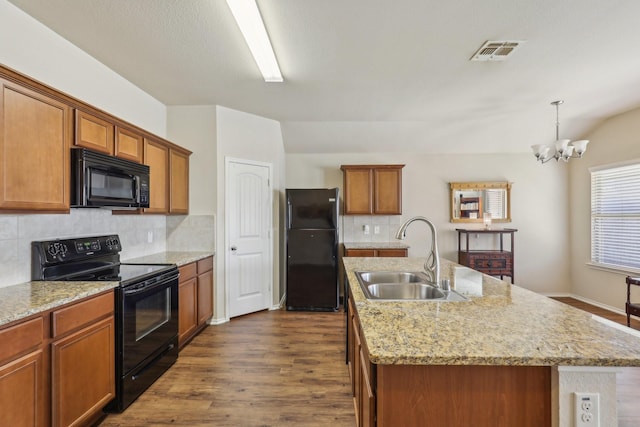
point(506, 357)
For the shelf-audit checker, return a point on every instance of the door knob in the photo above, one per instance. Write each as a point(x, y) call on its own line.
point(234, 248)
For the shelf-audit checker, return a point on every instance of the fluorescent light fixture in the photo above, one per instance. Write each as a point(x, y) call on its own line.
point(251, 25)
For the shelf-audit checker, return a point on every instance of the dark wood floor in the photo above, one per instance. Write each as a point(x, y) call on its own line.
point(272, 368)
point(279, 368)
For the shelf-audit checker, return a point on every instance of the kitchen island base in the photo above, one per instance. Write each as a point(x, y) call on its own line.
point(420, 395)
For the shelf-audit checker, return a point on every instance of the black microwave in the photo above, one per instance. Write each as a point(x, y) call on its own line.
point(102, 181)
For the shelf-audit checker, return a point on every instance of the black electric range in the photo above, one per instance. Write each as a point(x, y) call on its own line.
point(146, 305)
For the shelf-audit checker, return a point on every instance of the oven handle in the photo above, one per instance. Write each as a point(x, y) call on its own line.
point(149, 285)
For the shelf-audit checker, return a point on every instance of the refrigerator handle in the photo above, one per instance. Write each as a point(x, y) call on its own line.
point(289, 211)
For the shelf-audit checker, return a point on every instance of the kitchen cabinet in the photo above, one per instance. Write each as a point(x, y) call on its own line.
point(94, 133)
point(23, 374)
point(361, 372)
point(179, 181)
point(372, 189)
point(156, 156)
point(128, 144)
point(376, 252)
point(493, 262)
point(35, 137)
point(83, 360)
point(169, 177)
point(195, 296)
point(59, 368)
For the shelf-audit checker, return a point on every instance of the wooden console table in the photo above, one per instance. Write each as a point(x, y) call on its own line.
point(492, 262)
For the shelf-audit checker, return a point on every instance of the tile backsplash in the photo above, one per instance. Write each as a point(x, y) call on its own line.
point(381, 228)
point(140, 235)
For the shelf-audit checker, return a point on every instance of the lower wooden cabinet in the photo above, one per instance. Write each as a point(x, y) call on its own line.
point(23, 375)
point(376, 252)
point(362, 373)
point(83, 381)
point(195, 298)
point(58, 369)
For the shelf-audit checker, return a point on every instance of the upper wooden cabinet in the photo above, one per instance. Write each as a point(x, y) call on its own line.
point(35, 135)
point(179, 181)
point(156, 156)
point(372, 189)
point(169, 177)
point(128, 145)
point(94, 133)
point(38, 126)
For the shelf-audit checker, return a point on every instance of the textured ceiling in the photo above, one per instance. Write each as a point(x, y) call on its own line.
point(374, 75)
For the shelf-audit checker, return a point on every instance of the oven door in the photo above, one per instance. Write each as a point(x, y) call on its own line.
point(149, 319)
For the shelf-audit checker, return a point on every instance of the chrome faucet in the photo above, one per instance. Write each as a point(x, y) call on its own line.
point(432, 263)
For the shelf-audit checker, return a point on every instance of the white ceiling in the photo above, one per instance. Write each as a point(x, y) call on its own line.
point(377, 75)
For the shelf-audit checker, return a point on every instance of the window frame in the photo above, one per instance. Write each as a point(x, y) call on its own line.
point(594, 216)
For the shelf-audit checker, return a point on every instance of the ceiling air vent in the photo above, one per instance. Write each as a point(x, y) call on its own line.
point(496, 50)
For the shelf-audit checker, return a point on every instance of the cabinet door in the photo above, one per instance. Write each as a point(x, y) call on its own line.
point(156, 156)
point(35, 136)
point(179, 186)
point(358, 191)
point(205, 296)
point(94, 133)
point(392, 253)
point(187, 310)
point(367, 400)
point(205, 290)
point(359, 252)
point(129, 145)
point(387, 191)
point(83, 373)
point(23, 390)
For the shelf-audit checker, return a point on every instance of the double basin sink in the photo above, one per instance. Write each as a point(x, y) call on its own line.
point(403, 286)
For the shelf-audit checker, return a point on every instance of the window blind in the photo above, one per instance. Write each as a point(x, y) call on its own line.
point(615, 216)
point(495, 204)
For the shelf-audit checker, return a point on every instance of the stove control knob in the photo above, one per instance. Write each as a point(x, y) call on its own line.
point(57, 250)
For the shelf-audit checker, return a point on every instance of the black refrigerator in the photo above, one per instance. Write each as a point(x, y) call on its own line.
point(312, 249)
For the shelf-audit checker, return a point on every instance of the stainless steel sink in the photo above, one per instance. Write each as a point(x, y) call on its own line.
point(404, 291)
point(402, 286)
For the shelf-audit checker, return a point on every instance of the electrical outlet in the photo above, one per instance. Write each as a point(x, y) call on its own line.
point(365, 229)
point(587, 410)
point(376, 229)
point(150, 236)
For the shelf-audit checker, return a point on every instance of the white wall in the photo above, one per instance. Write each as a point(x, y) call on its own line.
point(615, 140)
point(194, 128)
point(31, 48)
point(249, 137)
point(539, 206)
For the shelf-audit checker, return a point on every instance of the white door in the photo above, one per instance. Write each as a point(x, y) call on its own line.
point(248, 225)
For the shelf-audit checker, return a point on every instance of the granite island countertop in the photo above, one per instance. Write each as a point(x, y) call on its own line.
point(501, 324)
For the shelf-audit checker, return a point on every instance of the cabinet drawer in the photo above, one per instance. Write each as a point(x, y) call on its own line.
point(188, 271)
point(489, 263)
point(21, 337)
point(205, 265)
point(81, 314)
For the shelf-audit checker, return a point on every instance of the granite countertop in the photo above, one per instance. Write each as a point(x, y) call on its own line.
point(375, 245)
point(176, 257)
point(25, 299)
point(501, 324)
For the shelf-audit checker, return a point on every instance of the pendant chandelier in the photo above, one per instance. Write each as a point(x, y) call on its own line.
point(563, 148)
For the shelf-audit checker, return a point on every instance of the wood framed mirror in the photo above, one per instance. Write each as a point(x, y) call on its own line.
point(475, 202)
